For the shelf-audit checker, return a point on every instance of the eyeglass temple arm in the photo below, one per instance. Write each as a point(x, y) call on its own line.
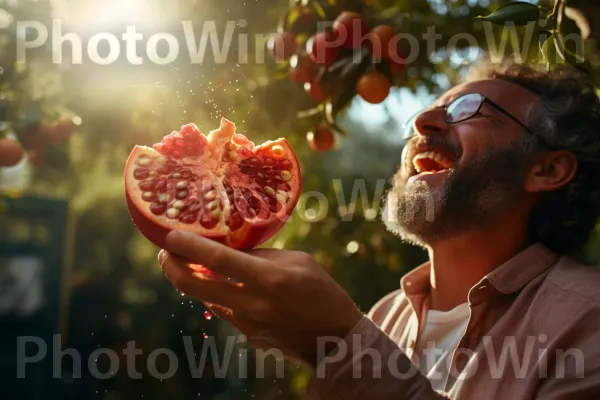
point(503, 111)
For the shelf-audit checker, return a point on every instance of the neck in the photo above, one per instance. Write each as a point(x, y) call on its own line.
point(460, 262)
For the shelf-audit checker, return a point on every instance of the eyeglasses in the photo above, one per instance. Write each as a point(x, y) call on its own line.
point(461, 109)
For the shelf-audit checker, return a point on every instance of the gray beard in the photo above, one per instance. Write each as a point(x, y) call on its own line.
point(472, 196)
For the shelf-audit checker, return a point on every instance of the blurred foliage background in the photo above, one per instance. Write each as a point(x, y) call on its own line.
point(114, 289)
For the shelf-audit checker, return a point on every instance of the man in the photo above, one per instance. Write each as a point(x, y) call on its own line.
point(499, 181)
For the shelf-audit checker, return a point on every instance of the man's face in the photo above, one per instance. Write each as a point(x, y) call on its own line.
point(454, 177)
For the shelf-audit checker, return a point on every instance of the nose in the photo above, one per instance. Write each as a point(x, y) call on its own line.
point(431, 122)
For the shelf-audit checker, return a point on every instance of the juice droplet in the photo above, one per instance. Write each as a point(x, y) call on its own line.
point(205, 336)
point(207, 315)
point(182, 294)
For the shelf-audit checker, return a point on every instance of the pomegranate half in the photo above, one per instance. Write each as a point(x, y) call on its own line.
point(220, 186)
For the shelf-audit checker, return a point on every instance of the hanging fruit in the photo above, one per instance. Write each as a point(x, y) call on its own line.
point(351, 28)
point(373, 87)
point(342, 60)
point(321, 138)
point(323, 48)
point(11, 152)
point(302, 69)
point(282, 46)
point(380, 39)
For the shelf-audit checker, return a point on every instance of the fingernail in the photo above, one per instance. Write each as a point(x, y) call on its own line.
point(161, 257)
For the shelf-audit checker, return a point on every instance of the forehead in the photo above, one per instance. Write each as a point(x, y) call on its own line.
point(512, 97)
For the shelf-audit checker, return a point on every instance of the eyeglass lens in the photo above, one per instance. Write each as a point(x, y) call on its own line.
point(458, 110)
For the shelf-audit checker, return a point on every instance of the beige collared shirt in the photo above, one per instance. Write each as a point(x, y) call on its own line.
point(533, 333)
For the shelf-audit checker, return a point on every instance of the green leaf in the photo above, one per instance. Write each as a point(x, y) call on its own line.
point(518, 12)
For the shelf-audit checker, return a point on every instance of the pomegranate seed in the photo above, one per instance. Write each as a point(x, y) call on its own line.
point(182, 194)
point(269, 161)
point(189, 217)
point(167, 149)
point(148, 196)
point(235, 220)
point(141, 173)
point(253, 161)
point(186, 174)
point(168, 140)
point(161, 185)
point(179, 143)
point(207, 315)
point(177, 153)
point(157, 208)
point(285, 164)
point(147, 185)
point(274, 205)
point(247, 170)
point(284, 186)
point(164, 170)
point(254, 203)
point(157, 147)
point(208, 223)
point(270, 182)
point(205, 336)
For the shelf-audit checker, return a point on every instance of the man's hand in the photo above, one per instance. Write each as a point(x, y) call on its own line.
point(280, 299)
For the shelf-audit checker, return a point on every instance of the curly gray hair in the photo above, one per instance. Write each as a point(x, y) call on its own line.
point(568, 118)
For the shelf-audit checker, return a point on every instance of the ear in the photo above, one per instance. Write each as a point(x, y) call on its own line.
point(551, 171)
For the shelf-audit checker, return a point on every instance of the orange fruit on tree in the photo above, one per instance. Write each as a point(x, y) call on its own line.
point(11, 152)
point(373, 87)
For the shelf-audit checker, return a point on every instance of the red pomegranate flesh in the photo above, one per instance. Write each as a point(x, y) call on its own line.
point(220, 186)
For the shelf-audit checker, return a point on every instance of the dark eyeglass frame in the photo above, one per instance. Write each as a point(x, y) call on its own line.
point(482, 100)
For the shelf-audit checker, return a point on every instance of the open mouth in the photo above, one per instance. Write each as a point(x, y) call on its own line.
point(431, 162)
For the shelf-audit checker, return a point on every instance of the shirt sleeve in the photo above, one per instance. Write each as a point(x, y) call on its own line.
point(367, 365)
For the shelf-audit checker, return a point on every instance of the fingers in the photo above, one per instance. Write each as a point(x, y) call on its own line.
point(201, 286)
point(218, 257)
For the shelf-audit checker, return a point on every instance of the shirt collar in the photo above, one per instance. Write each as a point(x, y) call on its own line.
point(508, 278)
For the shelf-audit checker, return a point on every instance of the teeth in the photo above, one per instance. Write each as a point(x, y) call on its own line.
point(432, 155)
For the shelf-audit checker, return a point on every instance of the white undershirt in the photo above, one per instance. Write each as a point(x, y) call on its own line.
point(444, 329)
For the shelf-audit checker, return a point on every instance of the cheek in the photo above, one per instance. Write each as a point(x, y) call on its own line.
point(476, 140)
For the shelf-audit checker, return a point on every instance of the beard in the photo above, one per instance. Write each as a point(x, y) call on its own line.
point(472, 195)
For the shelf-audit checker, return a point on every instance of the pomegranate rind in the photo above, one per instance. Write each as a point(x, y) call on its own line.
point(254, 231)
